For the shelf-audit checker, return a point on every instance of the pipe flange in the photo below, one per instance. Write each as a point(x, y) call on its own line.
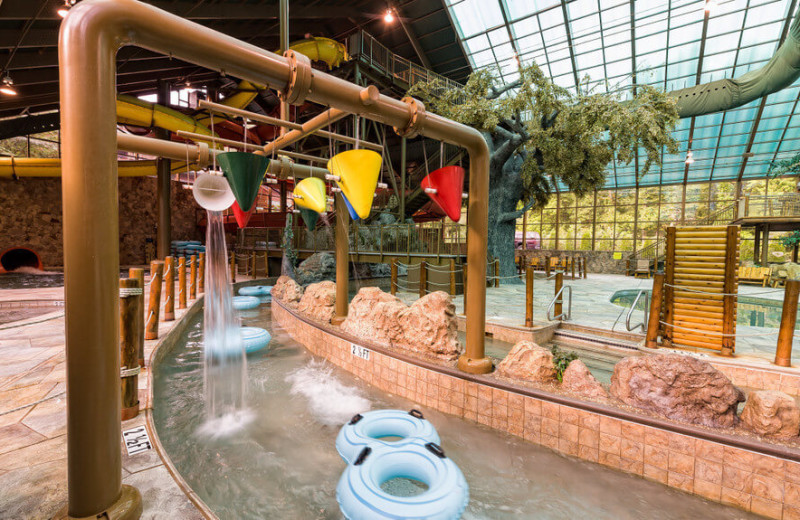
point(202, 155)
point(299, 78)
point(416, 118)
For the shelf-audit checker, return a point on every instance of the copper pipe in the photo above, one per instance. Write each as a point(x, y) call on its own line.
point(182, 282)
point(246, 146)
point(286, 124)
point(89, 38)
point(342, 260)
point(169, 288)
point(193, 277)
point(309, 127)
point(129, 312)
point(783, 352)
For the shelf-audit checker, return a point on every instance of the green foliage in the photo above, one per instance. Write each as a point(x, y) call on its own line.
point(561, 360)
point(561, 135)
point(791, 240)
point(288, 242)
point(790, 166)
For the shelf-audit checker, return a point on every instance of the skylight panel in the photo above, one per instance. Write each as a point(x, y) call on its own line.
point(476, 16)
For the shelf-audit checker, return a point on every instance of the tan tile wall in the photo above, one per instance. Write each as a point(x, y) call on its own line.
point(754, 482)
point(760, 378)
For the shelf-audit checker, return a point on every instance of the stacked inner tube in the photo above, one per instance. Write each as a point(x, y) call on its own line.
point(373, 460)
point(263, 292)
point(186, 248)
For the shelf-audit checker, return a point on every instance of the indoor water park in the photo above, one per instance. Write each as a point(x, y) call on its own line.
point(402, 259)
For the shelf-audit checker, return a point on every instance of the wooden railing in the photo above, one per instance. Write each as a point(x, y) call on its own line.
point(783, 205)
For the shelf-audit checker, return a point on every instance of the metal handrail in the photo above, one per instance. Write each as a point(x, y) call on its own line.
point(643, 324)
point(563, 316)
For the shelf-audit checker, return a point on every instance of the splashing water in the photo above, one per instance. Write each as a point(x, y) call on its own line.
point(225, 364)
point(331, 402)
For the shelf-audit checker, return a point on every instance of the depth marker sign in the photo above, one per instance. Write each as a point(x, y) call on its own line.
point(136, 440)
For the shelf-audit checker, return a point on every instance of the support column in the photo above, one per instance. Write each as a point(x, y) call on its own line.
point(402, 179)
point(765, 246)
point(284, 35)
point(757, 244)
point(163, 192)
point(342, 260)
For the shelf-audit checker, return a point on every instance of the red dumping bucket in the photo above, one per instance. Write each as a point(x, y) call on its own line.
point(449, 185)
point(242, 217)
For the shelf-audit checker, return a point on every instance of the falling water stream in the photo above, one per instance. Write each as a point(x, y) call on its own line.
point(225, 373)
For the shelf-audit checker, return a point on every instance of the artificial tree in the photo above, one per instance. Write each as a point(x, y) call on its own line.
point(540, 133)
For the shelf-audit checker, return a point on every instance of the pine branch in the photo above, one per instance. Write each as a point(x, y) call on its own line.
point(514, 215)
point(495, 93)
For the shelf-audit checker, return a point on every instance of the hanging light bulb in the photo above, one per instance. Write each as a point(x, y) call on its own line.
point(689, 157)
point(711, 5)
point(7, 86)
point(388, 17)
point(64, 9)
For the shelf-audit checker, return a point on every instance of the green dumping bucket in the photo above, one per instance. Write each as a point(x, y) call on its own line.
point(244, 172)
point(310, 218)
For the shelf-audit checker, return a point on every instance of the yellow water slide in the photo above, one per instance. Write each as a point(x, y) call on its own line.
point(137, 112)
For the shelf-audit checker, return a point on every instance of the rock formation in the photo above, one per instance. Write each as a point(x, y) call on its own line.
point(677, 386)
point(374, 315)
point(318, 301)
point(316, 268)
point(771, 413)
point(578, 380)
point(527, 361)
point(287, 291)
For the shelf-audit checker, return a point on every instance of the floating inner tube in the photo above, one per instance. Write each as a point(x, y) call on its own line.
point(254, 339)
point(361, 496)
point(376, 426)
point(241, 303)
point(256, 290)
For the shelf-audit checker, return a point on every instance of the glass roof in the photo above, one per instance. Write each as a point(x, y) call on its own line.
point(661, 41)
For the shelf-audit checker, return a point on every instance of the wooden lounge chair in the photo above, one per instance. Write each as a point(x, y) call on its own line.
point(642, 268)
point(757, 275)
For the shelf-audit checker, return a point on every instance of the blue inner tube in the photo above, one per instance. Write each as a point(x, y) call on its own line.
point(254, 339)
point(370, 428)
point(241, 303)
point(256, 290)
point(359, 490)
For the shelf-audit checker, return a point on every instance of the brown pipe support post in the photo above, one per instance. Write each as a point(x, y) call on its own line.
point(193, 277)
point(656, 298)
point(182, 282)
point(138, 274)
point(423, 278)
point(558, 308)
point(452, 277)
point(233, 266)
point(89, 38)
point(783, 353)
point(201, 273)
point(342, 260)
point(130, 294)
point(529, 296)
point(669, 291)
point(497, 273)
point(169, 288)
point(153, 310)
point(394, 276)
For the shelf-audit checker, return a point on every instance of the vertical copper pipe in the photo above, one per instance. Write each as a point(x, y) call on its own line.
point(182, 282)
point(201, 273)
point(153, 310)
point(656, 299)
point(129, 293)
point(529, 296)
point(169, 288)
point(393, 276)
point(233, 266)
point(783, 353)
point(138, 274)
point(193, 278)
point(559, 306)
point(342, 260)
point(423, 278)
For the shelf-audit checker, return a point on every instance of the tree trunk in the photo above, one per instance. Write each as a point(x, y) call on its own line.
point(505, 192)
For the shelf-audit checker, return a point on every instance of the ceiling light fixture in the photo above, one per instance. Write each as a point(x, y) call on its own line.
point(711, 5)
point(388, 17)
point(689, 157)
point(63, 10)
point(7, 86)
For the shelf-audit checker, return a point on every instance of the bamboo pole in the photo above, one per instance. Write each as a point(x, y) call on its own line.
point(394, 276)
point(182, 282)
point(423, 278)
point(559, 307)
point(130, 296)
point(193, 279)
point(529, 296)
point(138, 274)
point(169, 288)
point(452, 277)
point(655, 311)
point(151, 324)
point(201, 273)
point(783, 353)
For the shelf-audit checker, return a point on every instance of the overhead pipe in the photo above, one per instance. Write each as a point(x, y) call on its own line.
point(89, 38)
point(309, 127)
point(247, 146)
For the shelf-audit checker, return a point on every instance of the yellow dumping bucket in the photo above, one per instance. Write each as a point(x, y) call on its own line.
point(310, 194)
point(358, 172)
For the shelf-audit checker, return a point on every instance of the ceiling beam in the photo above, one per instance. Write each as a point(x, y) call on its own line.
point(412, 38)
point(569, 45)
point(706, 17)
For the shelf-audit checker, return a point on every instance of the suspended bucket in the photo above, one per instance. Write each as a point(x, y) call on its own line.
point(244, 172)
point(310, 194)
point(242, 217)
point(353, 214)
point(309, 218)
point(358, 172)
point(449, 185)
point(212, 192)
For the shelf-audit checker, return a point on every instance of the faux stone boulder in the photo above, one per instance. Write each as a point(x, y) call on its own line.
point(375, 315)
point(429, 327)
point(527, 361)
point(771, 413)
point(679, 387)
point(580, 381)
point(287, 291)
point(319, 301)
point(316, 268)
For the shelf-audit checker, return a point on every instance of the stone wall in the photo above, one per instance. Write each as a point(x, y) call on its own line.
point(30, 216)
point(596, 261)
